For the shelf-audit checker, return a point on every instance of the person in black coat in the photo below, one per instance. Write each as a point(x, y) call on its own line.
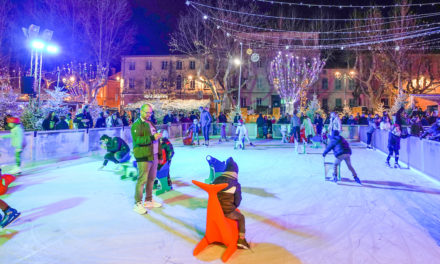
point(433, 131)
point(50, 121)
point(87, 117)
point(100, 122)
point(117, 150)
point(342, 151)
point(394, 144)
point(62, 124)
point(222, 118)
point(230, 199)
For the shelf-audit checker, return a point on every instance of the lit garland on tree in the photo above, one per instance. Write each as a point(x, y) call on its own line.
point(314, 107)
point(400, 101)
point(55, 103)
point(292, 76)
point(31, 118)
point(346, 111)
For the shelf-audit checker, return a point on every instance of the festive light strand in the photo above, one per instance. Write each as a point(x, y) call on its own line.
point(323, 32)
point(298, 18)
point(347, 6)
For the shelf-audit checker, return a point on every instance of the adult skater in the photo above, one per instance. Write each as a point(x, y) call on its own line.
point(17, 141)
point(10, 214)
point(147, 151)
point(230, 199)
point(295, 124)
point(205, 123)
point(242, 134)
point(335, 123)
point(342, 151)
point(117, 150)
point(370, 131)
point(394, 137)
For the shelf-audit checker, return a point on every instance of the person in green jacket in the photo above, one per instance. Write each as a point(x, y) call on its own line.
point(17, 141)
point(117, 150)
point(147, 152)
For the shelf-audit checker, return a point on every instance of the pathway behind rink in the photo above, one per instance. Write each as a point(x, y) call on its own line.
point(73, 213)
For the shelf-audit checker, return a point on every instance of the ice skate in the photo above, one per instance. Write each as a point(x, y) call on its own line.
point(252, 144)
point(396, 165)
point(356, 179)
point(243, 244)
point(335, 177)
point(388, 163)
point(10, 216)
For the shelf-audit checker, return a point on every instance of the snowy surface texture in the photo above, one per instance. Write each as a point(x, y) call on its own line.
point(73, 213)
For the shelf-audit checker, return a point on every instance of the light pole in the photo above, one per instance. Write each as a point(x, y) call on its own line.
point(38, 45)
point(239, 62)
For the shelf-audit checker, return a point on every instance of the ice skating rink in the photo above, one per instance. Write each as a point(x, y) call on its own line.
point(73, 213)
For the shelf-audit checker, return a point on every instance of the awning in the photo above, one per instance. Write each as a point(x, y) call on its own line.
point(430, 97)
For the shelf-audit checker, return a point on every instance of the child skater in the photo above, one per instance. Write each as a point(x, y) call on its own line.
point(168, 148)
point(17, 141)
point(394, 137)
point(242, 134)
point(223, 133)
point(230, 199)
point(195, 128)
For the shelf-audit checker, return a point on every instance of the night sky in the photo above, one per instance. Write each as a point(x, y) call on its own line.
point(155, 20)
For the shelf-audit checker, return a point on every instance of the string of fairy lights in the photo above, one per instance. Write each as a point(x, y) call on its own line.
point(301, 4)
point(361, 37)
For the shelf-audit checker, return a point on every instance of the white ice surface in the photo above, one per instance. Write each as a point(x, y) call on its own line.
point(73, 213)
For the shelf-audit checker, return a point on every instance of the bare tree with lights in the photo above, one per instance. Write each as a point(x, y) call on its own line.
point(293, 75)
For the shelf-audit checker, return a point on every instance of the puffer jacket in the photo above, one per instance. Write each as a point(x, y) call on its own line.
point(117, 144)
point(339, 146)
point(205, 118)
point(228, 198)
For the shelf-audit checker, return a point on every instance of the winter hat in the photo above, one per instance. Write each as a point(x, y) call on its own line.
point(165, 134)
point(241, 121)
point(335, 133)
point(231, 165)
point(14, 120)
point(104, 137)
point(195, 121)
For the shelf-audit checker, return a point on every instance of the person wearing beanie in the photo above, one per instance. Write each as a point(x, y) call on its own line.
point(167, 154)
point(17, 141)
point(394, 137)
point(117, 150)
point(342, 151)
point(195, 128)
point(230, 199)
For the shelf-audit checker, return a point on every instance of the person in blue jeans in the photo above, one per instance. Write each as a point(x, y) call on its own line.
point(205, 123)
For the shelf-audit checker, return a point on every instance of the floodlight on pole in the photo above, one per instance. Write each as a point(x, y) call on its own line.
point(237, 61)
point(38, 44)
point(52, 49)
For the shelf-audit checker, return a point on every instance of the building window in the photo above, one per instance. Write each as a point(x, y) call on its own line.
point(338, 103)
point(179, 82)
point(351, 84)
point(207, 65)
point(324, 84)
point(148, 83)
point(178, 65)
point(132, 66)
point(164, 83)
point(338, 84)
point(259, 83)
point(259, 101)
point(352, 102)
point(148, 66)
point(192, 65)
point(260, 63)
point(192, 84)
point(131, 83)
point(325, 103)
point(164, 65)
point(243, 102)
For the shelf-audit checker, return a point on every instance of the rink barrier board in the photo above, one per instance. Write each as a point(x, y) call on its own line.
point(422, 155)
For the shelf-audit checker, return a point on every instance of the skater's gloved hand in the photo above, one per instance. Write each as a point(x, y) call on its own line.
point(157, 136)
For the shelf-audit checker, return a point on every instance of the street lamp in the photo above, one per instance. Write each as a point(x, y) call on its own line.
point(239, 62)
point(39, 44)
